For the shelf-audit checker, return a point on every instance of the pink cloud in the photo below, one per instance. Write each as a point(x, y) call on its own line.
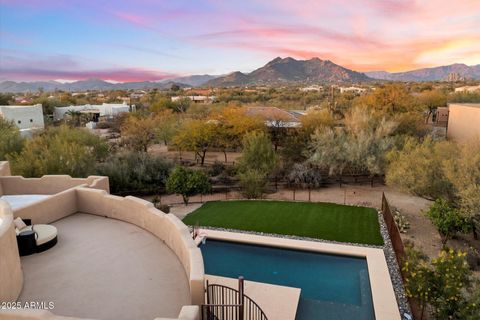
point(121, 75)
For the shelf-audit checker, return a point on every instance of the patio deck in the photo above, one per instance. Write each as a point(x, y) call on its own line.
point(106, 269)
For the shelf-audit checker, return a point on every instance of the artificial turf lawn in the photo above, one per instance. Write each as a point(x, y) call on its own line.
point(315, 220)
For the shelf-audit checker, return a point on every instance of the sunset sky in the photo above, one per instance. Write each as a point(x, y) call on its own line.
point(155, 39)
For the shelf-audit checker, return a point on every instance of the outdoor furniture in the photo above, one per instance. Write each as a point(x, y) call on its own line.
point(34, 238)
point(26, 243)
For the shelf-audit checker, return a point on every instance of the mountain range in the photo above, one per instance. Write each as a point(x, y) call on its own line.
point(430, 74)
point(276, 72)
point(83, 85)
point(289, 70)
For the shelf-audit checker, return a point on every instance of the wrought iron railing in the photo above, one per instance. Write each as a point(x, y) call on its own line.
point(225, 303)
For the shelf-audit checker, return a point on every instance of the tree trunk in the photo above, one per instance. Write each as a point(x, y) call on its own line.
point(293, 194)
point(203, 157)
point(309, 194)
point(185, 199)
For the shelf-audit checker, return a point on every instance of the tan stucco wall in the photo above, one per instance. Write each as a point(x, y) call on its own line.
point(463, 122)
point(50, 209)
point(11, 276)
point(187, 313)
point(166, 227)
point(4, 168)
point(4, 171)
point(52, 184)
point(89, 195)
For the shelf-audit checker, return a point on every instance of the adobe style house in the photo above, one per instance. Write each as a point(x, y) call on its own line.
point(463, 121)
point(28, 119)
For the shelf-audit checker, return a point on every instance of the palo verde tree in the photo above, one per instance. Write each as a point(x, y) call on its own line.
point(60, 150)
point(257, 163)
point(418, 168)
point(197, 136)
point(11, 142)
point(187, 182)
point(138, 132)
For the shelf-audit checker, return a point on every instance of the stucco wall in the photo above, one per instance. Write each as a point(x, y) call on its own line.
point(50, 209)
point(166, 227)
point(24, 117)
point(4, 168)
point(11, 276)
point(186, 313)
point(71, 195)
point(51, 184)
point(463, 122)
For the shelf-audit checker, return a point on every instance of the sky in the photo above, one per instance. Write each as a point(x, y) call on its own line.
point(139, 40)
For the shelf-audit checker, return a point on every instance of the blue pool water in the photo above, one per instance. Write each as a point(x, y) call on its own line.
point(332, 287)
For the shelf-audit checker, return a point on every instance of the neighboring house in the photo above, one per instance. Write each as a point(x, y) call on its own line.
point(463, 121)
point(468, 89)
point(312, 88)
point(195, 99)
point(275, 117)
point(352, 89)
point(27, 118)
point(108, 110)
point(439, 117)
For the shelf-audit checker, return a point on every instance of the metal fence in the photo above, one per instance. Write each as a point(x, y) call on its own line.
point(393, 231)
point(399, 249)
point(225, 303)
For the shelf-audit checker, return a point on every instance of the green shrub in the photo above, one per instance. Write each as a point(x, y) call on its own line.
point(444, 283)
point(401, 221)
point(10, 140)
point(188, 182)
point(60, 150)
point(135, 172)
point(448, 220)
point(253, 183)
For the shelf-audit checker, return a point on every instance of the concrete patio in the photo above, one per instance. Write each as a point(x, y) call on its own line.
point(106, 269)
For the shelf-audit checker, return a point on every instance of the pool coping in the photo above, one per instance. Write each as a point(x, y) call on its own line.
point(383, 295)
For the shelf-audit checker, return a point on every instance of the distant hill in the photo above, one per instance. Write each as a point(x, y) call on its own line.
point(83, 85)
point(193, 81)
point(430, 74)
point(289, 70)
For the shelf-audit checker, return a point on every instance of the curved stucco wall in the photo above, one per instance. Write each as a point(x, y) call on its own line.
point(11, 276)
point(166, 227)
point(89, 195)
point(4, 168)
point(51, 184)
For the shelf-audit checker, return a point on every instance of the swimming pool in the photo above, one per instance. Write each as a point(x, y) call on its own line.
point(332, 286)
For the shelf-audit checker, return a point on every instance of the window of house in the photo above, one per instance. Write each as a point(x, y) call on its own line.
point(19, 121)
point(31, 120)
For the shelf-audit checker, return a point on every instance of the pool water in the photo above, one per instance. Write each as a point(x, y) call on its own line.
point(332, 287)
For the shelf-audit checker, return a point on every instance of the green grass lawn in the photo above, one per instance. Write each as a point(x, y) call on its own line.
point(315, 220)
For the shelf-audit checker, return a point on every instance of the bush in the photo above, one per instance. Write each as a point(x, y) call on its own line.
point(253, 183)
point(401, 221)
point(135, 172)
point(448, 220)
point(188, 182)
point(61, 150)
point(103, 125)
point(443, 283)
point(217, 169)
point(10, 140)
